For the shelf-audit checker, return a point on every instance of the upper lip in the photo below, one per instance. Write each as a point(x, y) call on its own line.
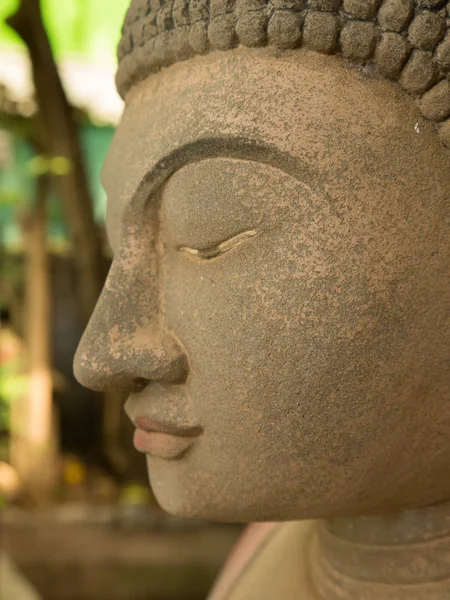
point(150, 425)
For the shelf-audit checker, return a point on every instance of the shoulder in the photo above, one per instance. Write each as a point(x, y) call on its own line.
point(268, 563)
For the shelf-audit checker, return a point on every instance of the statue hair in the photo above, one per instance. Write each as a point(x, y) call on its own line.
point(407, 41)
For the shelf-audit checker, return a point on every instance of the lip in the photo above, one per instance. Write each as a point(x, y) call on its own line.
point(164, 440)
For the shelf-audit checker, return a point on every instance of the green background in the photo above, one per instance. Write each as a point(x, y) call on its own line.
point(88, 30)
point(85, 27)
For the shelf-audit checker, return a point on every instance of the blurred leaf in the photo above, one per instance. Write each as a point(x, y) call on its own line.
point(38, 165)
point(134, 494)
point(74, 471)
point(10, 197)
point(60, 165)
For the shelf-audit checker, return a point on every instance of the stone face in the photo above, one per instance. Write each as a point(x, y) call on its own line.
point(395, 15)
point(419, 73)
point(426, 30)
point(280, 255)
point(443, 53)
point(278, 298)
point(435, 104)
point(321, 32)
point(361, 9)
point(391, 54)
point(284, 29)
point(358, 40)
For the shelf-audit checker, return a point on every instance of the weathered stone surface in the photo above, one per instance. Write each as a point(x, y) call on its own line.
point(444, 133)
point(329, 5)
point(180, 13)
point(182, 48)
point(136, 11)
point(435, 104)
point(391, 54)
point(136, 32)
point(285, 29)
point(426, 30)
point(164, 20)
point(125, 46)
point(361, 9)
point(222, 33)
point(357, 27)
point(431, 3)
point(198, 10)
point(251, 29)
point(321, 31)
point(248, 6)
point(395, 15)
point(288, 4)
point(198, 37)
point(443, 53)
point(219, 7)
point(358, 40)
point(419, 73)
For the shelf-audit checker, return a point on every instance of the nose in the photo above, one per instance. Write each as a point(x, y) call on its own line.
point(125, 344)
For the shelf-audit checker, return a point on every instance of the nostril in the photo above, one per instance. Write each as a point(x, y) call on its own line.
point(139, 384)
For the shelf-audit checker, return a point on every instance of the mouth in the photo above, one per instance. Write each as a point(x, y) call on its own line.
point(164, 440)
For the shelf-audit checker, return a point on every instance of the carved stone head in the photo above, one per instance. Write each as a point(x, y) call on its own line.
point(278, 304)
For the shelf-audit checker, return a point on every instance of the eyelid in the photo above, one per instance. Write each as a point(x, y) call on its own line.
point(221, 248)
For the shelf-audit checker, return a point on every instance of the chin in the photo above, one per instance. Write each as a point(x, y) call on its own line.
point(202, 498)
point(197, 505)
point(198, 494)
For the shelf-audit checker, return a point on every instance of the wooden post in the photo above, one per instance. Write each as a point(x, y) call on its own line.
point(34, 442)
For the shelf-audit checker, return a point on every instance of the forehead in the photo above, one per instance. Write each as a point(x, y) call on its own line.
point(338, 124)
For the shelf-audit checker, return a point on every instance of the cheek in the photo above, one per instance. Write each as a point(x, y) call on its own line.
point(292, 376)
point(277, 338)
point(261, 338)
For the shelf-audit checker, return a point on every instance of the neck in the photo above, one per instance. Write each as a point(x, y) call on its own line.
point(406, 555)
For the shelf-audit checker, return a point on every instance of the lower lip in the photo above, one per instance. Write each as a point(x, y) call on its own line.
point(162, 445)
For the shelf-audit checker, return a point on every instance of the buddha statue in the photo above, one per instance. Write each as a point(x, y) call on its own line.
point(278, 305)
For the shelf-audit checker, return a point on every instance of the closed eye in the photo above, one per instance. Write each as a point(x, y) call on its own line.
point(219, 249)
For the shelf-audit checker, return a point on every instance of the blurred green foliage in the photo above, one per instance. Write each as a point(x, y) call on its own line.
point(75, 27)
point(13, 375)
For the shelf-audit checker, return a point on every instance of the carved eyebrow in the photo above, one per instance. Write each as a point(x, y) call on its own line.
point(221, 248)
point(220, 147)
point(217, 147)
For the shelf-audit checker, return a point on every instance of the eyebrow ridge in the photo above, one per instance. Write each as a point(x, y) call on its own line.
point(218, 147)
